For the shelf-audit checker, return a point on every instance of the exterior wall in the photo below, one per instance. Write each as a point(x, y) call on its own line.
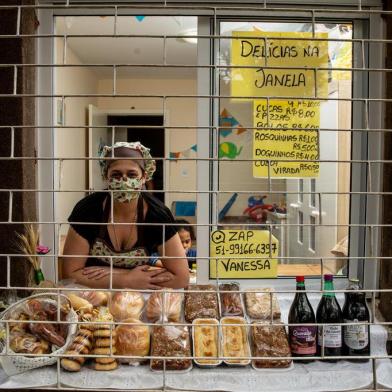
point(71, 142)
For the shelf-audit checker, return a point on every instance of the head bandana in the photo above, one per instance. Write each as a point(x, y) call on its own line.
point(149, 163)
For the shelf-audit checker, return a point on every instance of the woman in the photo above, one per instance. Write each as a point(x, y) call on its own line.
point(130, 243)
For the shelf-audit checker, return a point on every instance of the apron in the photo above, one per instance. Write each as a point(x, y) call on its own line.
point(124, 259)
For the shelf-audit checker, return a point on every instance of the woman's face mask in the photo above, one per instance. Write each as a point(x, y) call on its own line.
point(127, 188)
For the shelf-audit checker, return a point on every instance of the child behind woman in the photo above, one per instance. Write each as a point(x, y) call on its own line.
point(187, 235)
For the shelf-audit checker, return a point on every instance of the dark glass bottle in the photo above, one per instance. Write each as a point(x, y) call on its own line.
point(329, 337)
point(302, 338)
point(356, 338)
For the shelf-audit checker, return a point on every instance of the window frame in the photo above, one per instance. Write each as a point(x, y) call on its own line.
point(207, 109)
point(367, 146)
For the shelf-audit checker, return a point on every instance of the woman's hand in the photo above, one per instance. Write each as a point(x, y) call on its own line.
point(141, 278)
point(97, 273)
point(138, 278)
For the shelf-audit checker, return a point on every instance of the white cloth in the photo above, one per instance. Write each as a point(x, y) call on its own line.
point(312, 377)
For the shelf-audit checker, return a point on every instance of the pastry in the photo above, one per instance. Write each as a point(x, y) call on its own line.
point(104, 341)
point(165, 306)
point(202, 304)
point(19, 326)
point(231, 303)
point(104, 350)
point(270, 341)
point(104, 360)
point(81, 345)
point(170, 341)
point(105, 366)
point(104, 333)
point(76, 357)
point(27, 343)
point(70, 364)
point(82, 340)
point(45, 311)
point(235, 341)
point(206, 341)
point(79, 304)
point(258, 304)
point(96, 298)
point(132, 340)
point(127, 304)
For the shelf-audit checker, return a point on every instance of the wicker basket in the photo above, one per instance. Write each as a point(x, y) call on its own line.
point(19, 364)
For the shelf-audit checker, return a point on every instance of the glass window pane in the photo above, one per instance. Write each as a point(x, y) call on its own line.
point(260, 139)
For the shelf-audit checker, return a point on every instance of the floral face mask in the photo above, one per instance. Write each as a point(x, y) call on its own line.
point(128, 189)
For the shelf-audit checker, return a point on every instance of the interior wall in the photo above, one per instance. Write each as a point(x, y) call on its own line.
point(178, 112)
point(239, 175)
point(182, 112)
point(71, 142)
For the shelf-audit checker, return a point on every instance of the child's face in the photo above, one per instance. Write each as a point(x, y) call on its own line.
point(185, 238)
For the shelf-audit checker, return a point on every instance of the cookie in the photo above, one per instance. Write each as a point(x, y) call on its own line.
point(82, 341)
point(104, 342)
point(83, 331)
point(105, 360)
point(80, 348)
point(104, 333)
point(101, 326)
point(70, 365)
point(105, 367)
point(103, 350)
point(78, 359)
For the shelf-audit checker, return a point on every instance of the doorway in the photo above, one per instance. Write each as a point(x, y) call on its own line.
point(153, 138)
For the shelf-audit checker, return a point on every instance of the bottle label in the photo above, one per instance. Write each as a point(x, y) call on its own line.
point(332, 336)
point(303, 340)
point(355, 336)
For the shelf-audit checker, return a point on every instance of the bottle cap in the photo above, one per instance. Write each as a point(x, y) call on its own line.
point(353, 284)
point(300, 279)
point(328, 277)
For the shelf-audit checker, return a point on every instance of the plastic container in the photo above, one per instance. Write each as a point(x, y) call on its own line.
point(171, 341)
point(231, 304)
point(207, 363)
point(235, 334)
point(264, 345)
point(258, 304)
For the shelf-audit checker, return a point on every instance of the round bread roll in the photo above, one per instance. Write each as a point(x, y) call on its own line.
point(127, 304)
point(132, 340)
point(165, 306)
point(96, 298)
point(100, 298)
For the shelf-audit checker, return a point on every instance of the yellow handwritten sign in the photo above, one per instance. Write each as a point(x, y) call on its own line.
point(286, 54)
point(283, 142)
point(343, 59)
point(227, 247)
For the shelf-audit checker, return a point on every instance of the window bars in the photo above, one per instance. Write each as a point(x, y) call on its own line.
point(72, 74)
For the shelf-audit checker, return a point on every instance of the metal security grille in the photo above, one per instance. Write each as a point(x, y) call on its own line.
point(201, 162)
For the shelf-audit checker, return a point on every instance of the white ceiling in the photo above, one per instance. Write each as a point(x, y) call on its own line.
point(132, 50)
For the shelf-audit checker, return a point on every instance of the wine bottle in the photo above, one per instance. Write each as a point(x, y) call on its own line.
point(302, 338)
point(329, 337)
point(356, 338)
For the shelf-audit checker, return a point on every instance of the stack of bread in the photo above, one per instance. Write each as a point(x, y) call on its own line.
point(104, 341)
point(81, 345)
point(94, 338)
